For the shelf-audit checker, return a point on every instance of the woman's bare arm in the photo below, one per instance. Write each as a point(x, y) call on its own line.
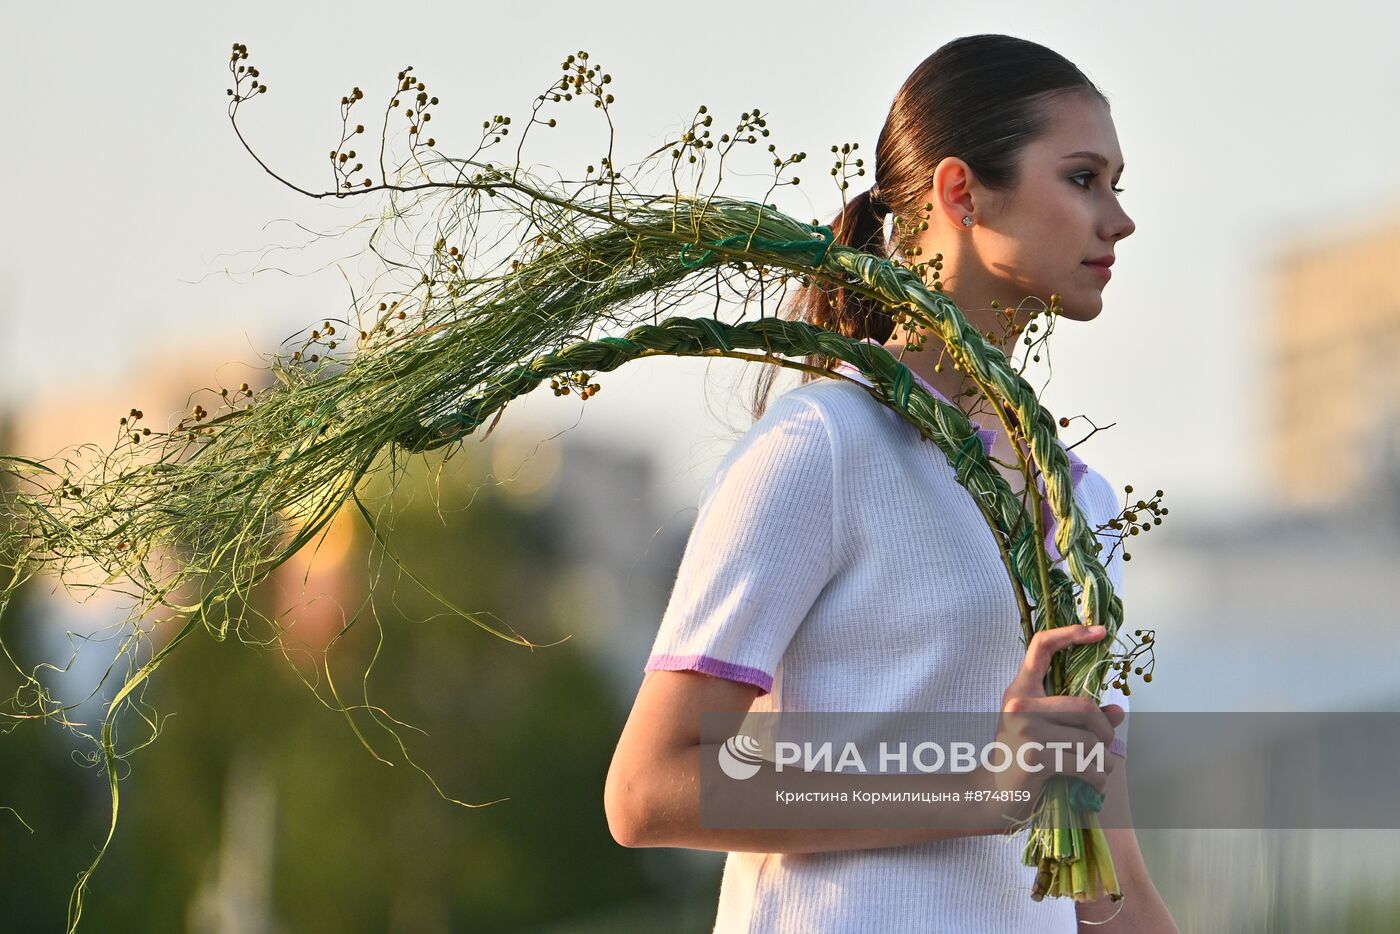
point(652, 795)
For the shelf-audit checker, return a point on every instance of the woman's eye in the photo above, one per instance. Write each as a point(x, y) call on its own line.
point(1092, 175)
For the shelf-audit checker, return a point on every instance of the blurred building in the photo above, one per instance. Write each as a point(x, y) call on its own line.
point(1334, 377)
point(1290, 608)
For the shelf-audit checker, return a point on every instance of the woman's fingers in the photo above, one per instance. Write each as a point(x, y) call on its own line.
point(1080, 712)
point(1030, 679)
point(1042, 750)
point(1061, 759)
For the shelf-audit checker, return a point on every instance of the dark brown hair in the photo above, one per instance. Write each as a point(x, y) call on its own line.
point(981, 98)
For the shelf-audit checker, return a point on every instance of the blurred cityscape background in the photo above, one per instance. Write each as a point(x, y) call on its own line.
point(1252, 334)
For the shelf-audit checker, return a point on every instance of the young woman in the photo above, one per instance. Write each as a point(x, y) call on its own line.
point(836, 564)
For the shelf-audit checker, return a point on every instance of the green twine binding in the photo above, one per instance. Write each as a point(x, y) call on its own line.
point(1083, 796)
point(817, 248)
point(967, 446)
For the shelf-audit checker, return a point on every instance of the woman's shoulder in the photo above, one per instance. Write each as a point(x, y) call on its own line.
point(804, 431)
point(831, 391)
point(790, 439)
point(849, 411)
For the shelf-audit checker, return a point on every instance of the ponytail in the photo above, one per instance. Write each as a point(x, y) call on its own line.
point(861, 224)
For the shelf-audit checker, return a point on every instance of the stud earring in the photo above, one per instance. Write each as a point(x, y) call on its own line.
point(967, 221)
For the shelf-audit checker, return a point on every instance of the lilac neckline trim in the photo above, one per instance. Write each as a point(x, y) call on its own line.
point(709, 665)
point(1077, 467)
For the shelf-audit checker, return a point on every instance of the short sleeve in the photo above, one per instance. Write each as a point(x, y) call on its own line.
point(1106, 509)
point(759, 554)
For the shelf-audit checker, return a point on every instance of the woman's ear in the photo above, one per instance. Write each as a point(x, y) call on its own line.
point(955, 193)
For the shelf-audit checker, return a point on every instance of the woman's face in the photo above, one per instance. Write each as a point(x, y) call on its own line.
point(1036, 239)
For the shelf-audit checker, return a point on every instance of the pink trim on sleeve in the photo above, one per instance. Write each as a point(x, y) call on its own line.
point(708, 665)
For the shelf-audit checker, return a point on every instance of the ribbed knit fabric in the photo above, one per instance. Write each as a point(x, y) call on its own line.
point(837, 564)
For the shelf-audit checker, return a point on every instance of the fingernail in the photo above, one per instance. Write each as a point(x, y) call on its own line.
point(1095, 630)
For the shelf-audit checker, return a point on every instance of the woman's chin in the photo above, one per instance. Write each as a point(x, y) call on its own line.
point(1081, 306)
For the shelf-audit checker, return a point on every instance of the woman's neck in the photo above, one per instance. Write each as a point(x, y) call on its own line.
point(933, 363)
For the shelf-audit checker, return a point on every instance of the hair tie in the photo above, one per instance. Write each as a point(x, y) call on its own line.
point(877, 204)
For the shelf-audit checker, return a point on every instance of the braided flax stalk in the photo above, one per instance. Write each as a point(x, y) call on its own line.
point(218, 497)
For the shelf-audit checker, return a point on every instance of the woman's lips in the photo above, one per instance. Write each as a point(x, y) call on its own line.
point(1101, 270)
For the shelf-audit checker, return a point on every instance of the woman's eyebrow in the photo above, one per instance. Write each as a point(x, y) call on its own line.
point(1101, 160)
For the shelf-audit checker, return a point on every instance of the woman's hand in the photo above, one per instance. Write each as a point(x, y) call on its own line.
point(1029, 716)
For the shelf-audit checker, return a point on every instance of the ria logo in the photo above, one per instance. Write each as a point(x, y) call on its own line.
point(739, 757)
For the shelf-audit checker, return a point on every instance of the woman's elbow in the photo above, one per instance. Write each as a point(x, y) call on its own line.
point(625, 806)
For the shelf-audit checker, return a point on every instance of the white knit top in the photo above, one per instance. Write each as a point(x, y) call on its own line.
point(837, 564)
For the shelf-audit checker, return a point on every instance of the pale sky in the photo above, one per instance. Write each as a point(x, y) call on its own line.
point(134, 218)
